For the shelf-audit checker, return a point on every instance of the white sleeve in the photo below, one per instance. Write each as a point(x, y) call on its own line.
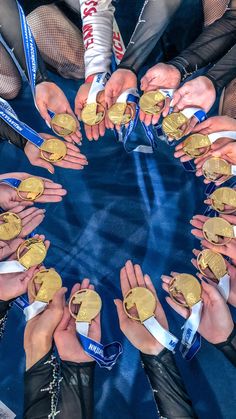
point(97, 17)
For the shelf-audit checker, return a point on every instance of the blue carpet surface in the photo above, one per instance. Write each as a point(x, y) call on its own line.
point(121, 206)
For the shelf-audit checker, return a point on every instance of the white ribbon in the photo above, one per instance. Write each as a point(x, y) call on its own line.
point(163, 336)
point(189, 112)
point(167, 92)
point(11, 266)
point(97, 86)
point(233, 170)
point(234, 230)
point(34, 309)
point(222, 134)
point(82, 328)
point(192, 324)
point(123, 97)
point(224, 286)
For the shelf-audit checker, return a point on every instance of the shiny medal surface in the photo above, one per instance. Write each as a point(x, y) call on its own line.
point(63, 124)
point(89, 303)
point(149, 102)
point(30, 189)
point(196, 145)
point(121, 113)
point(50, 282)
point(216, 168)
point(185, 290)
point(53, 150)
point(142, 300)
point(10, 226)
point(93, 113)
point(217, 231)
point(172, 124)
point(223, 200)
point(211, 264)
point(31, 252)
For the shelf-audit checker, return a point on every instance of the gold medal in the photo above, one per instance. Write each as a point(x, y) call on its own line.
point(92, 114)
point(223, 197)
point(196, 145)
point(215, 169)
point(50, 282)
point(185, 290)
point(31, 252)
point(63, 124)
point(149, 102)
point(30, 189)
point(172, 124)
point(90, 305)
point(143, 300)
point(121, 113)
point(218, 231)
point(211, 264)
point(11, 226)
point(53, 150)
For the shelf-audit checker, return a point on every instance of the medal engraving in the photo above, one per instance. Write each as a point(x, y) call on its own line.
point(63, 124)
point(222, 198)
point(30, 189)
point(90, 305)
point(217, 231)
point(90, 114)
point(10, 226)
point(196, 145)
point(53, 150)
point(211, 264)
point(50, 282)
point(121, 113)
point(142, 300)
point(172, 124)
point(185, 290)
point(31, 252)
point(149, 102)
point(214, 168)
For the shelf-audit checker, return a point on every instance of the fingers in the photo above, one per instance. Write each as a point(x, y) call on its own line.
point(121, 313)
point(131, 274)
point(149, 285)
point(124, 282)
point(42, 107)
point(182, 311)
point(58, 300)
point(75, 289)
point(64, 323)
point(139, 276)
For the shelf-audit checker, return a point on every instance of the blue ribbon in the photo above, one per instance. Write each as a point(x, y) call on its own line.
point(21, 303)
point(9, 116)
point(189, 353)
point(14, 183)
point(106, 356)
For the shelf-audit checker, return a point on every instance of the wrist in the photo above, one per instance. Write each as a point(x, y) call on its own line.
point(37, 350)
point(127, 68)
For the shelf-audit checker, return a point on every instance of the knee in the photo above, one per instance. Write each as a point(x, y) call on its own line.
point(10, 90)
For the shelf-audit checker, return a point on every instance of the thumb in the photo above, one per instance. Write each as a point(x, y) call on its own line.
point(221, 151)
point(58, 300)
point(121, 313)
point(64, 321)
point(211, 291)
point(46, 165)
point(42, 107)
point(176, 98)
point(144, 83)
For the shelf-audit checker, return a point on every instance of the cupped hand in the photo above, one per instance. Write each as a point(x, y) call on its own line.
point(74, 159)
point(30, 219)
point(231, 270)
point(216, 124)
point(65, 336)
point(14, 285)
point(96, 131)
point(49, 97)
point(159, 76)
point(131, 276)
point(216, 322)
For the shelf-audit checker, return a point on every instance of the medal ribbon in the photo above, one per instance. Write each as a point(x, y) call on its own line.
point(163, 336)
point(198, 113)
point(189, 331)
point(11, 266)
point(224, 286)
point(98, 85)
point(222, 134)
point(10, 117)
point(32, 310)
point(105, 355)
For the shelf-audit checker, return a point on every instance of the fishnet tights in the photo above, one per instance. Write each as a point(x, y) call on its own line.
point(213, 10)
point(9, 76)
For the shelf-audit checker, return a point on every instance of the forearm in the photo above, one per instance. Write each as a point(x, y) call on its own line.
point(41, 388)
point(97, 17)
point(8, 133)
point(214, 42)
point(76, 399)
point(228, 348)
point(170, 394)
point(153, 20)
point(11, 33)
point(224, 71)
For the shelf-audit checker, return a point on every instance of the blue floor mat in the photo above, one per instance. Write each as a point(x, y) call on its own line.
point(121, 206)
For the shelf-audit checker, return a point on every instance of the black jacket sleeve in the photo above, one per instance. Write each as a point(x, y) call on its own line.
point(224, 71)
point(229, 347)
point(9, 134)
point(214, 42)
point(169, 392)
point(10, 30)
point(4, 307)
point(76, 398)
point(153, 20)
